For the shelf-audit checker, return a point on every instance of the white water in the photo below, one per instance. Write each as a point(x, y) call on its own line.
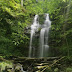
point(44, 33)
point(34, 28)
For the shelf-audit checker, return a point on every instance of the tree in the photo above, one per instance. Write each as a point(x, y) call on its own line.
point(21, 2)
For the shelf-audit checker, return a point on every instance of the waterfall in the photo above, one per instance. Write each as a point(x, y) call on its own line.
point(34, 28)
point(44, 33)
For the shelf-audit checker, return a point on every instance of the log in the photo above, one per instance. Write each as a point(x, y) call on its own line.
point(35, 63)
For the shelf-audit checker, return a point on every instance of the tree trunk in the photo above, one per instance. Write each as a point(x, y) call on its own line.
point(21, 2)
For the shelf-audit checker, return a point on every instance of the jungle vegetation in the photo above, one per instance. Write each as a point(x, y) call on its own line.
point(16, 15)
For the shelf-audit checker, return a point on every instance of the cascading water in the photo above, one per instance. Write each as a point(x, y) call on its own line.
point(44, 33)
point(34, 28)
point(44, 37)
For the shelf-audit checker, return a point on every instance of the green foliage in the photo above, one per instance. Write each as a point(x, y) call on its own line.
point(60, 36)
point(14, 18)
point(4, 65)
